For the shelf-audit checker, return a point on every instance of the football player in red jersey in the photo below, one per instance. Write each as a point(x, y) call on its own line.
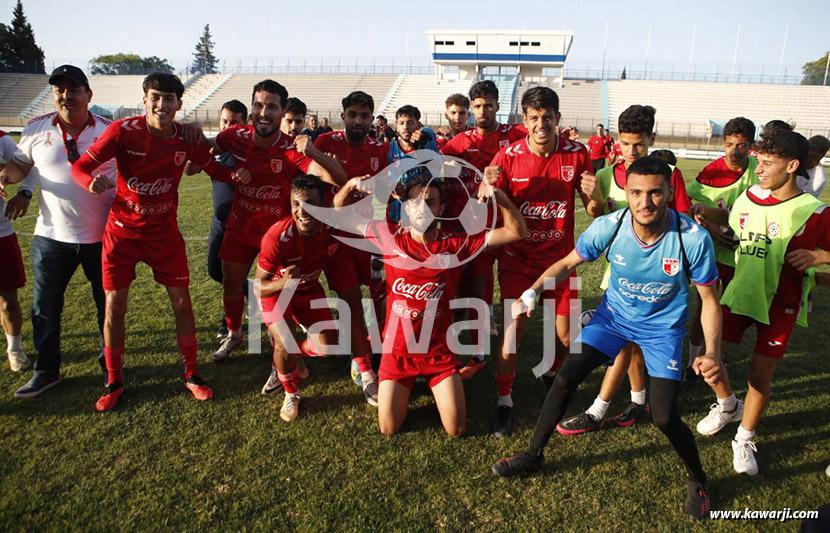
point(293, 254)
point(150, 157)
point(274, 159)
point(419, 293)
point(478, 146)
point(360, 155)
point(293, 119)
point(541, 174)
point(457, 114)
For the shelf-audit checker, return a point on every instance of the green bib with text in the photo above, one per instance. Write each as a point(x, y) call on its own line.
point(724, 198)
point(764, 232)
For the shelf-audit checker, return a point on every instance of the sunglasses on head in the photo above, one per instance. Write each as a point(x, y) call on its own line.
point(72, 153)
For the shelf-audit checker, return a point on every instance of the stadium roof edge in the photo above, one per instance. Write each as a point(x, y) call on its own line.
point(500, 32)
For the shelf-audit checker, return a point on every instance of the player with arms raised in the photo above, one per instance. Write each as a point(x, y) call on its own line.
point(419, 290)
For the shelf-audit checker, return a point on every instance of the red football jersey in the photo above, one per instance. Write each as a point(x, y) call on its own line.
point(599, 147)
point(416, 294)
point(681, 200)
point(814, 235)
point(478, 150)
point(266, 199)
point(369, 158)
point(543, 190)
point(283, 246)
point(717, 174)
point(148, 173)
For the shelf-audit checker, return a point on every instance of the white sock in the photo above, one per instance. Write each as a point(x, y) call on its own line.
point(505, 401)
point(728, 404)
point(598, 409)
point(14, 343)
point(694, 351)
point(367, 377)
point(639, 397)
point(744, 434)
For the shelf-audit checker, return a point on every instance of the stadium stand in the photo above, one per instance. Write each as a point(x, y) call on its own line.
point(579, 101)
point(426, 93)
point(18, 90)
point(688, 106)
point(322, 93)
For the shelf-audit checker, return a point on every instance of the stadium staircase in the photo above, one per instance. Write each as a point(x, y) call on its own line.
point(425, 92)
point(18, 90)
point(580, 101)
point(507, 85)
point(200, 89)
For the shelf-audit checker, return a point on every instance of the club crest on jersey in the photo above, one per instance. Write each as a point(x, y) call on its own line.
point(443, 261)
point(742, 220)
point(504, 143)
point(180, 157)
point(375, 162)
point(671, 266)
point(332, 248)
point(567, 173)
point(276, 166)
point(773, 229)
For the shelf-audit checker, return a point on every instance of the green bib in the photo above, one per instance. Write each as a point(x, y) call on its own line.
point(764, 232)
point(724, 198)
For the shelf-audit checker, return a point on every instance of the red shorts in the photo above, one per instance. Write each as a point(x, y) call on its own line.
point(12, 273)
point(356, 268)
point(513, 284)
point(481, 265)
point(298, 308)
point(725, 273)
point(404, 370)
point(772, 339)
point(236, 251)
point(167, 257)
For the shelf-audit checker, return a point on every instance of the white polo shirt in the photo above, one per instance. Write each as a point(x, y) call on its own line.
point(7, 148)
point(68, 213)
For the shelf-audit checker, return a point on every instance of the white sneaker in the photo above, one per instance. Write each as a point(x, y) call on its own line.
point(290, 407)
point(717, 419)
point(227, 346)
point(743, 460)
point(18, 360)
point(369, 382)
point(272, 385)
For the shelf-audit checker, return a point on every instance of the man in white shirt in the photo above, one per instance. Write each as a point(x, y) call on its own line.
point(12, 273)
point(816, 180)
point(71, 221)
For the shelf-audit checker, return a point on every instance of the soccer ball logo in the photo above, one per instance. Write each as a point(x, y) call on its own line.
point(460, 183)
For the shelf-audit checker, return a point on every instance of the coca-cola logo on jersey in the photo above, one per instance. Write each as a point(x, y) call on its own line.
point(544, 211)
point(155, 188)
point(651, 287)
point(427, 291)
point(266, 192)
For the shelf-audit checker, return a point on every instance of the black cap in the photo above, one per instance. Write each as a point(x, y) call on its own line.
point(70, 72)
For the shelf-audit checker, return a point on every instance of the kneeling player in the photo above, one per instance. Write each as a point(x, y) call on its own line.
point(293, 253)
point(646, 303)
point(419, 290)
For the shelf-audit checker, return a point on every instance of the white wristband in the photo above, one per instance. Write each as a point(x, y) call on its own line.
point(528, 298)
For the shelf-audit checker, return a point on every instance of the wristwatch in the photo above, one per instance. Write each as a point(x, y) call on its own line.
point(25, 192)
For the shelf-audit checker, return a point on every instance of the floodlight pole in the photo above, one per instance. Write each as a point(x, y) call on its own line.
point(648, 48)
point(692, 48)
point(826, 68)
point(783, 49)
point(604, 50)
point(735, 55)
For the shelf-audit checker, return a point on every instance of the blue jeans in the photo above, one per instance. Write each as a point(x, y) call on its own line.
point(222, 201)
point(54, 263)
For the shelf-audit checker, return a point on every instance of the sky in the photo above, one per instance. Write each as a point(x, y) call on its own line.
point(275, 32)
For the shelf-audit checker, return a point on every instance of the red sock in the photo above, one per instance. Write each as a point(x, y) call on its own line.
point(289, 381)
point(307, 349)
point(505, 383)
point(363, 363)
point(114, 357)
point(233, 305)
point(188, 349)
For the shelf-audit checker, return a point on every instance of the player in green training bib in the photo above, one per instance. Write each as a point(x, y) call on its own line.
point(717, 187)
point(782, 232)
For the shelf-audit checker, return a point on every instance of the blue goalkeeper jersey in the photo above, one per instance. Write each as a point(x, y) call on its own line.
point(649, 287)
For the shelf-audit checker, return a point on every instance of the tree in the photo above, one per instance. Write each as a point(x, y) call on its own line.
point(814, 71)
point(18, 50)
point(129, 64)
point(203, 59)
